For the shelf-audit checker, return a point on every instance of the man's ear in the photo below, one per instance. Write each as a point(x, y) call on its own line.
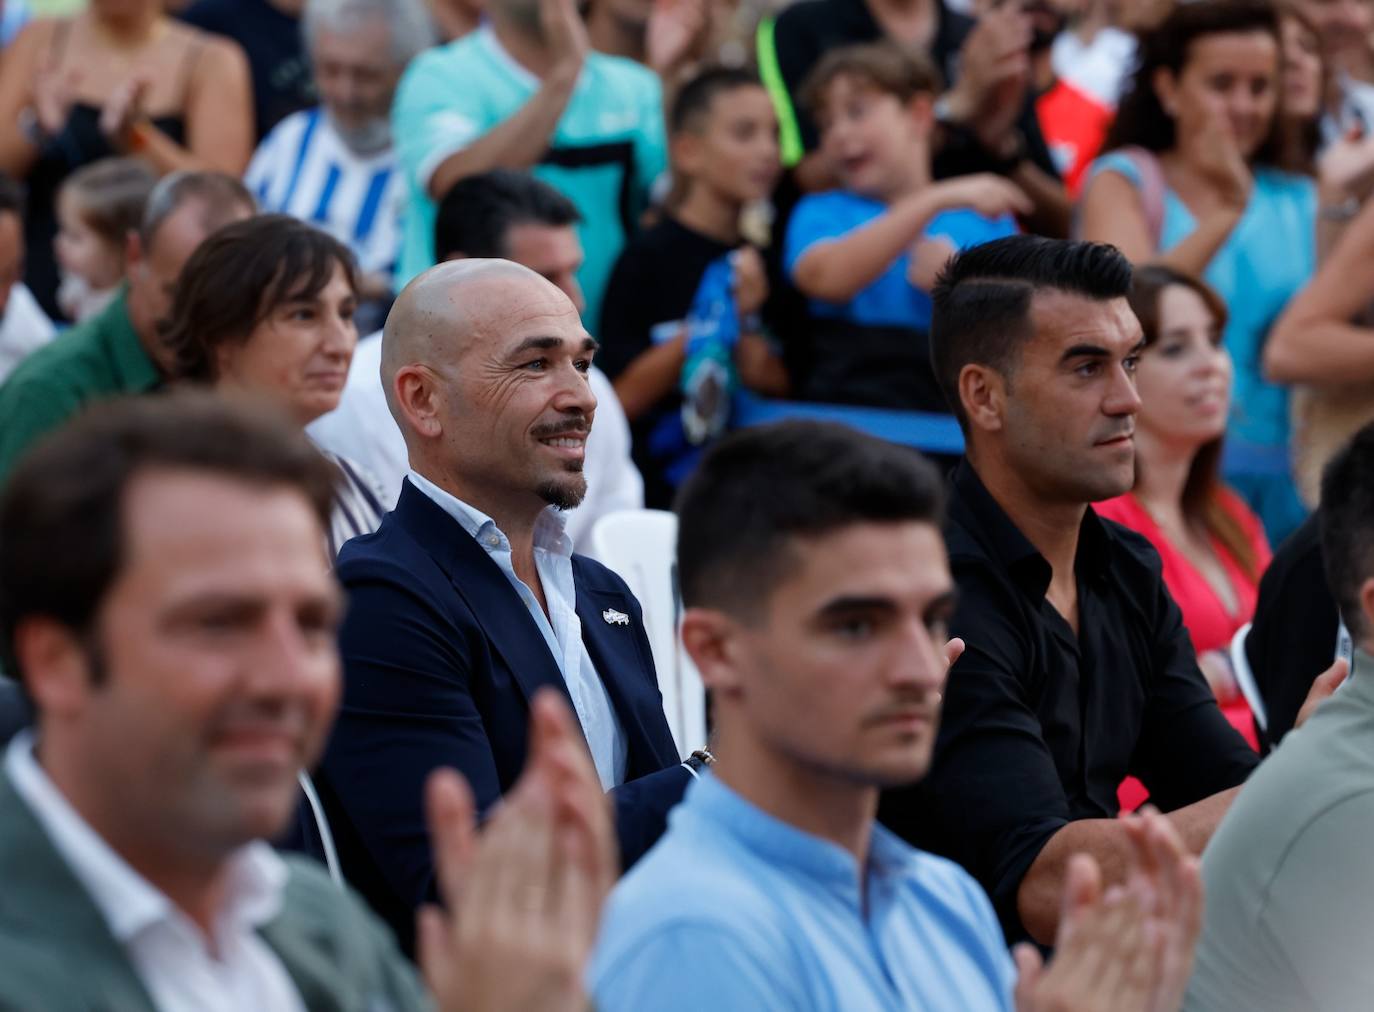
point(983, 395)
point(685, 153)
point(133, 249)
point(419, 399)
point(1367, 603)
point(712, 641)
point(921, 109)
point(1165, 85)
point(57, 668)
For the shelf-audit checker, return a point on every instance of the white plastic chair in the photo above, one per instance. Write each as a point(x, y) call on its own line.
point(641, 546)
point(1245, 678)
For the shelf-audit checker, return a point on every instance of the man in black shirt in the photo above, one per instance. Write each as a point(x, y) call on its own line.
point(1078, 669)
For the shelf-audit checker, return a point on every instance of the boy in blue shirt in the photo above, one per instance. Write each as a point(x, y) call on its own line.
point(865, 255)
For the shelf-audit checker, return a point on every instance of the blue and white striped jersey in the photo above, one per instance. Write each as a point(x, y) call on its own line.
point(304, 169)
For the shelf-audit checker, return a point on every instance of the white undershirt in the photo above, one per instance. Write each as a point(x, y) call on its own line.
point(168, 951)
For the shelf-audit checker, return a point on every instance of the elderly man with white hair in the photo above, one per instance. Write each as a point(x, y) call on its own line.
point(334, 165)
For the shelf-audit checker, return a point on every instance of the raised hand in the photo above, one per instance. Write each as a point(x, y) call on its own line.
point(677, 30)
point(1326, 683)
point(566, 37)
point(53, 94)
point(523, 899)
point(1221, 163)
point(123, 108)
point(994, 73)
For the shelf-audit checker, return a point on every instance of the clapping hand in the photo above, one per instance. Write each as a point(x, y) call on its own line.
point(676, 33)
point(1129, 949)
point(522, 900)
point(994, 73)
point(123, 108)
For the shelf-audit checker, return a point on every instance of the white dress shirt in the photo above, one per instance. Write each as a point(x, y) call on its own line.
point(361, 428)
point(561, 628)
point(24, 329)
point(181, 972)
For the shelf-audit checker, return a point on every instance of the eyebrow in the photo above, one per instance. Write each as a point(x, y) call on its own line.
point(550, 343)
point(1096, 351)
point(856, 603)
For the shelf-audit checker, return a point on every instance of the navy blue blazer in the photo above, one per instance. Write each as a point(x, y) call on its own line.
point(441, 659)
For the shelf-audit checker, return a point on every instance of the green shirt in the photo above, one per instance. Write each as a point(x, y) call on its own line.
point(98, 358)
point(605, 152)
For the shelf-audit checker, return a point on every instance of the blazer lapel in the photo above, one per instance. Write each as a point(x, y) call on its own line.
point(485, 589)
point(43, 896)
point(628, 674)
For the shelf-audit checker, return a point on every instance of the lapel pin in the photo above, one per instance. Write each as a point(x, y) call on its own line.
point(614, 617)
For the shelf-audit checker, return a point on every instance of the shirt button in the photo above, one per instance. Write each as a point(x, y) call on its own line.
point(493, 540)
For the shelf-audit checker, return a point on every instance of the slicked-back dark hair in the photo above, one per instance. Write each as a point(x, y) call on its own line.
point(982, 300)
point(238, 276)
point(693, 100)
point(476, 215)
point(1141, 119)
point(62, 510)
point(1346, 516)
point(759, 489)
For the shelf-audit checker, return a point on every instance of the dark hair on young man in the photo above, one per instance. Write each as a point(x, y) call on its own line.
point(881, 65)
point(476, 215)
point(238, 276)
point(110, 195)
point(693, 101)
point(759, 490)
point(982, 300)
point(1346, 517)
point(1141, 119)
point(11, 196)
point(62, 511)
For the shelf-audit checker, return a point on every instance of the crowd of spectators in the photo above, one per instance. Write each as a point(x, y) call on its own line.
point(333, 332)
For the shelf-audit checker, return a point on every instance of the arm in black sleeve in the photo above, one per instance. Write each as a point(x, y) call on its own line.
point(993, 797)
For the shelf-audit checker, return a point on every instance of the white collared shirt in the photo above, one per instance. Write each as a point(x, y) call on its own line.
point(561, 628)
point(168, 951)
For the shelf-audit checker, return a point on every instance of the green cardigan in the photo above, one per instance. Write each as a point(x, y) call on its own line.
point(57, 954)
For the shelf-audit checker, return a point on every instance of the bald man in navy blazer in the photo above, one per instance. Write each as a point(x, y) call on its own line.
point(468, 598)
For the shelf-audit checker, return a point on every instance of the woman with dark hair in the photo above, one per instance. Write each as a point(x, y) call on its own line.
point(1202, 176)
point(267, 305)
point(1212, 546)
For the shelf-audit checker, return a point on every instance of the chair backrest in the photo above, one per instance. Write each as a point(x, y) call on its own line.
point(1245, 678)
point(641, 546)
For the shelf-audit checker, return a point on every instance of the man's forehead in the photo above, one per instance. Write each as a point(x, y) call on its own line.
point(897, 559)
point(1064, 319)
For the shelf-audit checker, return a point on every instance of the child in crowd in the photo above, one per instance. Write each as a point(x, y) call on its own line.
point(97, 207)
point(865, 255)
point(724, 149)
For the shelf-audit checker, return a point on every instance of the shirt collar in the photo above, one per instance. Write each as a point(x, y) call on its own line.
point(130, 903)
point(550, 529)
point(783, 845)
point(1008, 546)
point(136, 371)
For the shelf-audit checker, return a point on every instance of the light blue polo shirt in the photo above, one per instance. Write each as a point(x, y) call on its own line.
point(736, 911)
point(606, 151)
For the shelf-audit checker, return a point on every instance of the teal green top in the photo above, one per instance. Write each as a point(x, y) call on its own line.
point(98, 358)
point(604, 153)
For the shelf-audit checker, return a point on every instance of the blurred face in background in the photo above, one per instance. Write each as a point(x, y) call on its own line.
point(1184, 375)
point(356, 74)
point(1230, 80)
point(1302, 69)
point(1343, 27)
point(733, 148)
point(871, 138)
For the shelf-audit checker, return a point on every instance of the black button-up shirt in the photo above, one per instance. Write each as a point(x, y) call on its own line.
point(1039, 725)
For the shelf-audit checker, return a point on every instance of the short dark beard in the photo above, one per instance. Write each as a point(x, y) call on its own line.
point(563, 495)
